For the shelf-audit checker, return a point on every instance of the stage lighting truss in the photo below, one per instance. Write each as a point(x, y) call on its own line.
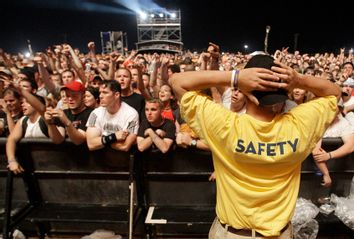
point(159, 30)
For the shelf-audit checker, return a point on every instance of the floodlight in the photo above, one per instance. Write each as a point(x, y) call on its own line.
point(143, 15)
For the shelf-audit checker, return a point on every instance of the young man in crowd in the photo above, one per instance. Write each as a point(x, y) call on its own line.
point(155, 132)
point(74, 118)
point(114, 124)
point(124, 77)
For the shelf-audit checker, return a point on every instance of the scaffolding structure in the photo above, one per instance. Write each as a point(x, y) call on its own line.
point(113, 41)
point(159, 31)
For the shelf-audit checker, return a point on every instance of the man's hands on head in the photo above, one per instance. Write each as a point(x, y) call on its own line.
point(260, 79)
point(288, 76)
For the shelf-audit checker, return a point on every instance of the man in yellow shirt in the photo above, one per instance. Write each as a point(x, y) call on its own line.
point(257, 156)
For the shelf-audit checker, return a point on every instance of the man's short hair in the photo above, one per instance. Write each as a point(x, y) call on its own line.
point(113, 85)
point(127, 70)
point(174, 68)
point(348, 63)
point(155, 100)
point(31, 81)
point(12, 91)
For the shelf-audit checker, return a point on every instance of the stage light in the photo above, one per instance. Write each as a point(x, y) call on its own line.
point(161, 15)
point(27, 54)
point(245, 46)
point(173, 15)
point(152, 15)
point(143, 15)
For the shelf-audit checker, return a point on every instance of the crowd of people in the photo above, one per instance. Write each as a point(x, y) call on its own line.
point(118, 101)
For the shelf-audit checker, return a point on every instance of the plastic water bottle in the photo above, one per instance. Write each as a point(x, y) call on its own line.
point(351, 195)
point(18, 235)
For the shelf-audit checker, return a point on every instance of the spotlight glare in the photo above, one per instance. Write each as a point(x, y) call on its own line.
point(245, 46)
point(152, 15)
point(27, 54)
point(143, 15)
point(161, 15)
point(173, 15)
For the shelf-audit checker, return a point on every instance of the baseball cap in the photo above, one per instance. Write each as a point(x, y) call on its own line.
point(266, 98)
point(349, 82)
point(75, 85)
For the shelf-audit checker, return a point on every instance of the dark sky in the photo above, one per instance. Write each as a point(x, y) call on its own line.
point(321, 26)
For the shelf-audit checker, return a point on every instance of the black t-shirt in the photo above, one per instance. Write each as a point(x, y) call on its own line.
point(168, 126)
point(79, 120)
point(136, 101)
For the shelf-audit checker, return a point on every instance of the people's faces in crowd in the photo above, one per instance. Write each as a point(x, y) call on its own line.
point(309, 71)
point(27, 108)
point(135, 76)
point(299, 95)
point(146, 80)
point(56, 79)
point(90, 100)
point(347, 89)
point(107, 96)
point(238, 100)
point(26, 85)
point(182, 67)
point(63, 97)
point(227, 66)
point(165, 93)
point(21, 76)
point(153, 111)
point(13, 104)
point(347, 70)
point(102, 64)
point(74, 99)
point(123, 76)
point(67, 77)
point(96, 83)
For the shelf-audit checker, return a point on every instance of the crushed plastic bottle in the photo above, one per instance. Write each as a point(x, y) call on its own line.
point(18, 235)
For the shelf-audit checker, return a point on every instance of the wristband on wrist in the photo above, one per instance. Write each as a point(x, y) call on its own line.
point(109, 139)
point(330, 155)
point(12, 161)
point(68, 124)
point(234, 79)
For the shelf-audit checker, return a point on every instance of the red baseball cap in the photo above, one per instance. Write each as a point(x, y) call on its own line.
point(75, 85)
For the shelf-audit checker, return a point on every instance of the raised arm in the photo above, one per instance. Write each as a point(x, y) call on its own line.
point(76, 63)
point(318, 86)
point(248, 80)
point(49, 84)
point(92, 51)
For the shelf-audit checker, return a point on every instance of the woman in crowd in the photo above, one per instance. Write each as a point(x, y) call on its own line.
point(11, 110)
point(92, 97)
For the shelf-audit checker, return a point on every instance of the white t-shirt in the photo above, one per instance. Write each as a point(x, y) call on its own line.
point(226, 98)
point(349, 102)
point(126, 118)
point(33, 130)
point(339, 128)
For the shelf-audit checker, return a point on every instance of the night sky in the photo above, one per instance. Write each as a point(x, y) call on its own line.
point(321, 26)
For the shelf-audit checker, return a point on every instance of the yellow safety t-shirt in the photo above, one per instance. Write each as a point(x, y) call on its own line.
point(257, 163)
